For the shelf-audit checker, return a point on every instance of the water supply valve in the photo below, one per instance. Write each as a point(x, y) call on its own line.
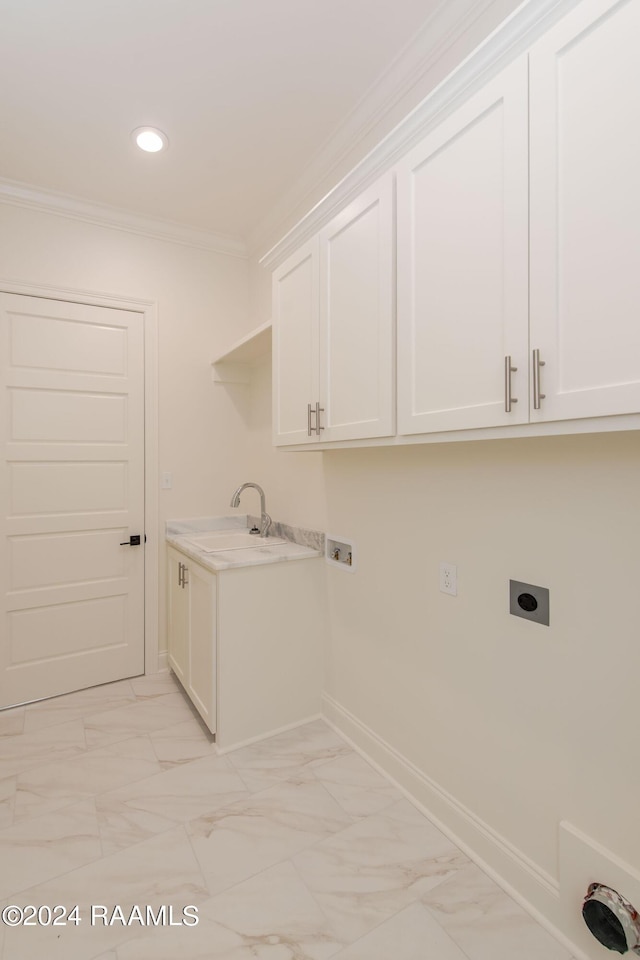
point(611, 919)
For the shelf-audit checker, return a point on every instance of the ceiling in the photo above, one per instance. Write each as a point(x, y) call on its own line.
point(248, 92)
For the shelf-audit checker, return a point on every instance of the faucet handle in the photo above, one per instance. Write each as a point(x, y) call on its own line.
point(265, 525)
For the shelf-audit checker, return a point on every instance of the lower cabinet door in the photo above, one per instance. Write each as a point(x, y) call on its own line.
point(201, 685)
point(177, 617)
point(191, 631)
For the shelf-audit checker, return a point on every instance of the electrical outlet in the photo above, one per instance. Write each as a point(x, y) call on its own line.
point(449, 578)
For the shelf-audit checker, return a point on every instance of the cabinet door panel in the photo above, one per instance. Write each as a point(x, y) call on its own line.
point(177, 619)
point(585, 211)
point(462, 264)
point(357, 321)
point(202, 643)
point(295, 344)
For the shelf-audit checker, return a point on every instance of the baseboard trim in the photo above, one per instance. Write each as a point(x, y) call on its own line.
point(270, 733)
point(523, 880)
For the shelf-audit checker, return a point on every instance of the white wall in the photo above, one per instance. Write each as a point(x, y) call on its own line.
point(202, 308)
point(523, 724)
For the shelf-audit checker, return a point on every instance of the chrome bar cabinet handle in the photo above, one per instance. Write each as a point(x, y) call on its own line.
point(319, 426)
point(508, 370)
point(537, 395)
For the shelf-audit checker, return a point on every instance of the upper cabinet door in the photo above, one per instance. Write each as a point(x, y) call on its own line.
point(357, 355)
point(585, 212)
point(295, 345)
point(462, 266)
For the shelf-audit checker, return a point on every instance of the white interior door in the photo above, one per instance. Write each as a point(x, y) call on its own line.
point(72, 387)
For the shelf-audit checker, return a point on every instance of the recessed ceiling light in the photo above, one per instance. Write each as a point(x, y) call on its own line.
point(150, 139)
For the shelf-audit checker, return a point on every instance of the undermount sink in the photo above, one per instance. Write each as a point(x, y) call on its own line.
point(230, 540)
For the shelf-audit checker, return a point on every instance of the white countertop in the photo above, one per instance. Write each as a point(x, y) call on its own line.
point(178, 531)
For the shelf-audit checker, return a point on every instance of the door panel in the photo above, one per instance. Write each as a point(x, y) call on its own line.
point(86, 625)
point(44, 488)
point(72, 382)
point(45, 415)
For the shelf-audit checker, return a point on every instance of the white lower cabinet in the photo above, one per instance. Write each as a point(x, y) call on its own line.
point(246, 643)
point(191, 621)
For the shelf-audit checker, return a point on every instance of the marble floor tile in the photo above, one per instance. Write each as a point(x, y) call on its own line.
point(154, 685)
point(269, 917)
point(373, 869)
point(143, 716)
point(235, 842)
point(274, 910)
point(45, 847)
point(411, 934)
point(11, 721)
point(147, 807)
point(7, 799)
point(486, 923)
point(26, 750)
point(182, 743)
point(160, 871)
point(55, 785)
point(292, 754)
point(356, 785)
point(206, 941)
point(74, 706)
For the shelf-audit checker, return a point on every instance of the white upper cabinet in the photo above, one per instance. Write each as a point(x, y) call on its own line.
point(296, 311)
point(516, 286)
point(357, 318)
point(333, 328)
point(462, 266)
point(585, 212)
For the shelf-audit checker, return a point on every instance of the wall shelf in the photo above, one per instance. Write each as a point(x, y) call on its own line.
point(235, 364)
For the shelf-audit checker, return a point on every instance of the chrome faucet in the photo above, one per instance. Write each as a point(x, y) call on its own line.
point(265, 519)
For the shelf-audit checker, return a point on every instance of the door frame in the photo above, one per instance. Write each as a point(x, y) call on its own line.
point(149, 311)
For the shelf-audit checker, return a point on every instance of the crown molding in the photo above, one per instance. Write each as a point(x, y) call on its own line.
point(511, 38)
point(18, 194)
point(447, 23)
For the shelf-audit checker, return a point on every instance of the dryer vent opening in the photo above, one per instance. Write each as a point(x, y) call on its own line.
point(611, 919)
